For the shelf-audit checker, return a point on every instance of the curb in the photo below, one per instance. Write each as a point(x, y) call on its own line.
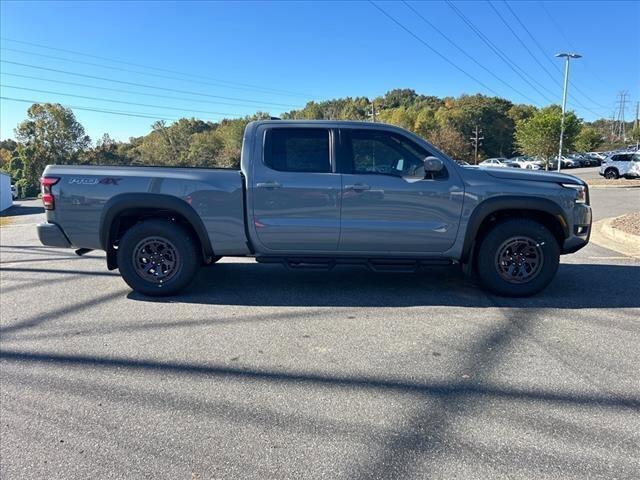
point(619, 235)
point(606, 235)
point(591, 187)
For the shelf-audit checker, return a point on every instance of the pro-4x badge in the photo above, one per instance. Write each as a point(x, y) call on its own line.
point(94, 181)
point(83, 181)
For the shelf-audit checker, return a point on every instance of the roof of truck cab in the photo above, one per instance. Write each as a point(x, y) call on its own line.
point(326, 122)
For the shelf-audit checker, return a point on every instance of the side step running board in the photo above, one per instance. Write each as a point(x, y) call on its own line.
point(375, 264)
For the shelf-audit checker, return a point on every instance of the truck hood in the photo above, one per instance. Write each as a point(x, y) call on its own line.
point(533, 176)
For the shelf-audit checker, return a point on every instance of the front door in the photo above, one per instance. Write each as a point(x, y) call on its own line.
point(387, 203)
point(296, 192)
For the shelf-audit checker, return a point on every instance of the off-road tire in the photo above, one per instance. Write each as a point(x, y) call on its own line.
point(179, 247)
point(529, 240)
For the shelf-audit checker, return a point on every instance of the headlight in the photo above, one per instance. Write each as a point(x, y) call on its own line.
point(581, 191)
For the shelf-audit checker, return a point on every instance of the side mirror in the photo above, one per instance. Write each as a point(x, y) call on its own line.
point(433, 165)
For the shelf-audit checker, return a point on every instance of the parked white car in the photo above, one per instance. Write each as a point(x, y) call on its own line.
point(598, 155)
point(494, 162)
point(499, 162)
point(530, 163)
point(624, 164)
point(533, 165)
point(14, 192)
point(568, 162)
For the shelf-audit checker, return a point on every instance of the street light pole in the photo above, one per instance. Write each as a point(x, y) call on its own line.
point(567, 56)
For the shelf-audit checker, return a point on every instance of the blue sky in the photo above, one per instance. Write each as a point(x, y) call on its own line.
point(274, 56)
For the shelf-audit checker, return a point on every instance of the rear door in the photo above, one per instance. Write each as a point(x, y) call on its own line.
point(387, 203)
point(296, 190)
point(622, 162)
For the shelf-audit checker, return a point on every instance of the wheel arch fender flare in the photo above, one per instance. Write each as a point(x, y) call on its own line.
point(496, 204)
point(151, 201)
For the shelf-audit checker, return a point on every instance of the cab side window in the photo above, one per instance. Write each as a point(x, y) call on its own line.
point(297, 150)
point(382, 152)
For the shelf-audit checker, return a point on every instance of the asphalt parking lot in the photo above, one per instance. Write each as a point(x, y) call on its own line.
point(258, 372)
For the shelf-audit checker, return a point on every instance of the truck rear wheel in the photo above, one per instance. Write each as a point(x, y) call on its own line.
point(157, 257)
point(517, 258)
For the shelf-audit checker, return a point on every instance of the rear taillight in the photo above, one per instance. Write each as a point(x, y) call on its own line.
point(47, 197)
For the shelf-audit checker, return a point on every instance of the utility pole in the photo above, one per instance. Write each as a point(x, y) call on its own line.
point(612, 129)
point(475, 141)
point(373, 111)
point(637, 126)
point(620, 131)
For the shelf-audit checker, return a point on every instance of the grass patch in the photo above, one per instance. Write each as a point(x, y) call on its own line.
point(4, 221)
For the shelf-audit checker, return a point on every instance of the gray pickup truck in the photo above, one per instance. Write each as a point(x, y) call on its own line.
point(315, 194)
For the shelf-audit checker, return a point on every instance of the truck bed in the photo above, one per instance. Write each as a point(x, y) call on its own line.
point(85, 195)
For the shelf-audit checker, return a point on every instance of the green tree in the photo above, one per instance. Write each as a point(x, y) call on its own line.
point(539, 135)
point(9, 144)
point(521, 112)
point(491, 114)
point(425, 122)
point(5, 160)
point(205, 148)
point(106, 152)
point(230, 134)
point(588, 139)
point(50, 135)
point(400, 116)
point(169, 144)
point(400, 97)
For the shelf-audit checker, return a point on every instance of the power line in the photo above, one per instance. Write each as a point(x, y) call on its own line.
point(535, 41)
point(131, 92)
point(469, 56)
point(524, 45)
point(75, 52)
point(553, 20)
point(432, 49)
point(123, 82)
point(128, 70)
point(559, 29)
point(115, 101)
point(113, 112)
point(544, 54)
point(516, 69)
point(535, 58)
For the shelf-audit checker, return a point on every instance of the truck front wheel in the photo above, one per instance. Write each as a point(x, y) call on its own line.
point(517, 258)
point(157, 257)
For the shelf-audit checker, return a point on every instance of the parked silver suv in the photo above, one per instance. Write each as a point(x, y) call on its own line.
point(621, 164)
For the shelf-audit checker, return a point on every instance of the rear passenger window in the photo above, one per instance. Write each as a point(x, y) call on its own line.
point(297, 150)
point(621, 158)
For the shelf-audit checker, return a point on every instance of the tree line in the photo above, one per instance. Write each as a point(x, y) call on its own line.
point(52, 135)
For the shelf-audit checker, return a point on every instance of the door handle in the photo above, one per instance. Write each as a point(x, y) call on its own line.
point(268, 185)
point(358, 187)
